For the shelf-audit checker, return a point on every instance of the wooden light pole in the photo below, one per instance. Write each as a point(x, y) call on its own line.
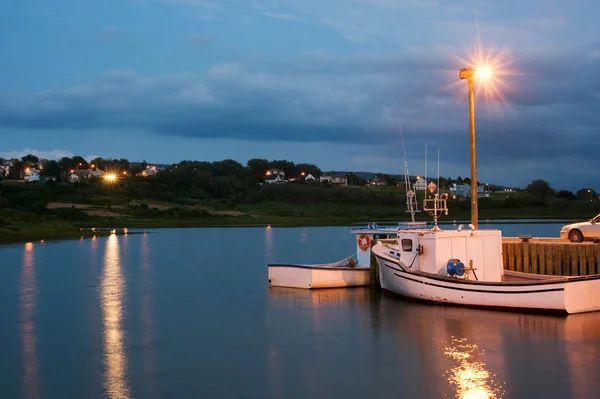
point(469, 75)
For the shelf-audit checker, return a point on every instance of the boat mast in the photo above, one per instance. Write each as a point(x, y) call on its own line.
point(410, 195)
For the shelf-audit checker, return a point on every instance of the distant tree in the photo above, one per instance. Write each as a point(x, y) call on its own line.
point(51, 168)
point(586, 194)
point(539, 189)
point(467, 180)
point(258, 168)
point(308, 168)
point(566, 194)
point(140, 167)
point(15, 170)
point(30, 159)
point(459, 180)
point(354, 180)
point(67, 164)
point(80, 162)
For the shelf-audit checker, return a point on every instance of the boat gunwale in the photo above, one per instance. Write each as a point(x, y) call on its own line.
point(550, 281)
point(319, 266)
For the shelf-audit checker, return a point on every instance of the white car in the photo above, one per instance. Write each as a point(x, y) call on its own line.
point(581, 231)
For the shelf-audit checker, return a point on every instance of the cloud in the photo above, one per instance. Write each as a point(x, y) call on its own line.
point(284, 16)
point(199, 39)
point(323, 97)
point(52, 154)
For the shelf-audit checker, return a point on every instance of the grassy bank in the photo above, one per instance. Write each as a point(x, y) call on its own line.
point(36, 212)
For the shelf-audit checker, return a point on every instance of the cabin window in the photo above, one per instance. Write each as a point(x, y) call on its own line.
point(380, 236)
point(406, 245)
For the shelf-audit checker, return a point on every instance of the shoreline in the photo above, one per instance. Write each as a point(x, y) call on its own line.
point(61, 230)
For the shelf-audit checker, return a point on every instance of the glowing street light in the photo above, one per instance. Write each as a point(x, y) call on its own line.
point(470, 74)
point(110, 177)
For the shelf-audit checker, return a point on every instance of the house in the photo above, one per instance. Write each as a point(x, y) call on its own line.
point(378, 181)
point(32, 176)
point(420, 184)
point(73, 177)
point(276, 180)
point(4, 170)
point(334, 179)
point(309, 177)
point(274, 173)
point(462, 190)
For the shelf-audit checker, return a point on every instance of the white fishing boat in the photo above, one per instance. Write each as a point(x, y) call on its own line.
point(345, 273)
point(464, 267)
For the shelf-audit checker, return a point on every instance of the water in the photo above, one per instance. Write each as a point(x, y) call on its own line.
point(187, 313)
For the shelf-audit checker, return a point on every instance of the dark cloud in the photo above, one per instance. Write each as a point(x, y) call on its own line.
point(550, 114)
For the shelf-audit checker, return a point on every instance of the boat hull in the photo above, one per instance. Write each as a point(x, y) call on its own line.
point(558, 294)
point(314, 276)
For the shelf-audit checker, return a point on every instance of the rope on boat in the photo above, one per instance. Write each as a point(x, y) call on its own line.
point(348, 262)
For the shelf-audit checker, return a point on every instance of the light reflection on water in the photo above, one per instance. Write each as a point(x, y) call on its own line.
point(112, 291)
point(28, 304)
point(468, 375)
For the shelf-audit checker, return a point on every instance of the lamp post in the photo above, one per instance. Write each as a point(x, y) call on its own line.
point(469, 74)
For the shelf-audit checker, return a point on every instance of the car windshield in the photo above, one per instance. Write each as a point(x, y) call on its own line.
point(596, 219)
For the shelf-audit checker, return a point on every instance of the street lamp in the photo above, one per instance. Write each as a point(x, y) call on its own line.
point(590, 191)
point(470, 74)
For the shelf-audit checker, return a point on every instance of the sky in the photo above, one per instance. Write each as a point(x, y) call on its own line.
point(338, 83)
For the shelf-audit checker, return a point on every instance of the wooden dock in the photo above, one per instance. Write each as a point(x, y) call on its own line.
point(551, 256)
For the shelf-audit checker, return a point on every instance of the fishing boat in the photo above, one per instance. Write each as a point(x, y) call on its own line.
point(464, 267)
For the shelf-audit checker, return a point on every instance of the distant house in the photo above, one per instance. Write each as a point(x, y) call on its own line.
point(274, 173)
point(73, 177)
point(276, 180)
point(420, 185)
point(4, 170)
point(33, 176)
point(309, 177)
point(334, 179)
point(462, 190)
point(378, 181)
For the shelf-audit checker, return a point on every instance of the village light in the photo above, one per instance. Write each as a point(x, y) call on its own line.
point(470, 74)
point(110, 177)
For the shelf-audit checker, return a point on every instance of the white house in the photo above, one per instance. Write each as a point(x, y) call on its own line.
point(73, 178)
point(309, 177)
point(33, 175)
point(420, 185)
point(377, 181)
point(276, 180)
point(343, 181)
point(275, 173)
point(463, 190)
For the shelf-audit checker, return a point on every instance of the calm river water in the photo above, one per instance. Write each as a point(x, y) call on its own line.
point(188, 313)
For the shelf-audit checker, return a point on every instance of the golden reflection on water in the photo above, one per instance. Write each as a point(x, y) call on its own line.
point(468, 374)
point(28, 298)
point(111, 297)
point(149, 362)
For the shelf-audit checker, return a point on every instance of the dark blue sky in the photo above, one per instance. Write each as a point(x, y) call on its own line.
point(320, 81)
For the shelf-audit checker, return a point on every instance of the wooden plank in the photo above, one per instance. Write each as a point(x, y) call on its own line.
point(549, 260)
point(581, 255)
point(542, 258)
point(526, 260)
point(510, 249)
point(590, 258)
point(535, 259)
point(504, 255)
point(574, 270)
point(558, 259)
point(519, 257)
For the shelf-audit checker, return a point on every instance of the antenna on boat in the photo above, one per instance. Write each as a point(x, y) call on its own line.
point(436, 206)
point(438, 180)
point(411, 200)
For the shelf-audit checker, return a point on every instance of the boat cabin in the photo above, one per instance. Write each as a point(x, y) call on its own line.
point(464, 254)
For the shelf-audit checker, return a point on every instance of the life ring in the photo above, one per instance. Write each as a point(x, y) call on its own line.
point(364, 242)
